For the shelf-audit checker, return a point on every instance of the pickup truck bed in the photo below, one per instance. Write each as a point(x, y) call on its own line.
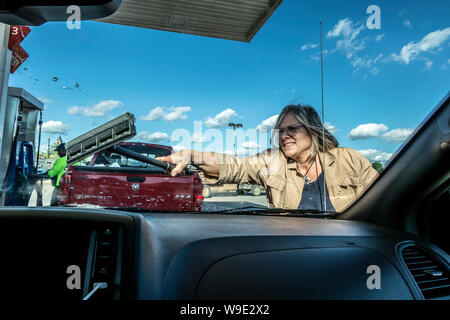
point(117, 181)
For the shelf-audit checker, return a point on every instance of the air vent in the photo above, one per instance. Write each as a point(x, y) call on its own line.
point(431, 277)
point(104, 262)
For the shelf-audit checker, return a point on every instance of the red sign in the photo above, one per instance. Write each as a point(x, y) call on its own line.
point(19, 55)
point(16, 36)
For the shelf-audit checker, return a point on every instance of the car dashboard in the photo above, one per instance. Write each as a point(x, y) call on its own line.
point(199, 256)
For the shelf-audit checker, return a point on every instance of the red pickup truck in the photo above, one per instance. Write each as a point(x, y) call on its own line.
point(114, 180)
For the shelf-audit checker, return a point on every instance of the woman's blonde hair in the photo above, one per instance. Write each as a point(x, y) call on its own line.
point(309, 118)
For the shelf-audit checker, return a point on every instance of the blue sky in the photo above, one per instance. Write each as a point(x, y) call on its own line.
point(379, 84)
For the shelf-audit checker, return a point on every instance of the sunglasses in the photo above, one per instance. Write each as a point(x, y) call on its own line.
point(290, 130)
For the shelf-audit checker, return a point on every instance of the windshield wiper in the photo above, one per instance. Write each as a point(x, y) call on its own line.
point(257, 210)
point(248, 210)
point(129, 209)
point(145, 210)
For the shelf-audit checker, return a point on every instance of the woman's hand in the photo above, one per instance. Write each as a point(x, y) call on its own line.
point(204, 161)
point(180, 159)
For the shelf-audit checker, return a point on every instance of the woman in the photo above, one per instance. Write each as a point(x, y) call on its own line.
point(307, 171)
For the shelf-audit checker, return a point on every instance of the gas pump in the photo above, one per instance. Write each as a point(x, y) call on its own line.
point(23, 113)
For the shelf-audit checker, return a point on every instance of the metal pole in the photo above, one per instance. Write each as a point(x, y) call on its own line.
point(234, 125)
point(39, 140)
point(5, 64)
point(323, 123)
point(234, 140)
point(48, 149)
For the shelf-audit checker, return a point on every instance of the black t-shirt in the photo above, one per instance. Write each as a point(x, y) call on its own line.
point(312, 196)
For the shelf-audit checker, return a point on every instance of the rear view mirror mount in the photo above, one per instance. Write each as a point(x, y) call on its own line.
point(37, 12)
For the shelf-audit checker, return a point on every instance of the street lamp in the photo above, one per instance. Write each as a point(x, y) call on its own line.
point(234, 125)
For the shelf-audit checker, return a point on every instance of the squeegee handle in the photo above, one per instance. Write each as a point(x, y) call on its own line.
point(137, 156)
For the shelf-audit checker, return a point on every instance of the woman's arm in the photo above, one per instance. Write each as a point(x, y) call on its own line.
point(205, 161)
point(367, 174)
point(220, 167)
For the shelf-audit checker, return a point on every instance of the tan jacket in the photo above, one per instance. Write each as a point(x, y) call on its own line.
point(347, 175)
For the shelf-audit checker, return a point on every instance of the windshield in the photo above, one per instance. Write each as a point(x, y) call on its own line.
point(301, 108)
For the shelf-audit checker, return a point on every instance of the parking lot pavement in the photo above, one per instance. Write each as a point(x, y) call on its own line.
point(229, 200)
point(47, 190)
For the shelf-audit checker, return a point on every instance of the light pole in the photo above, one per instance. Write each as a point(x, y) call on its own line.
point(234, 125)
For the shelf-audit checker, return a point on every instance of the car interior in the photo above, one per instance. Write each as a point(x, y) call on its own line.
point(398, 225)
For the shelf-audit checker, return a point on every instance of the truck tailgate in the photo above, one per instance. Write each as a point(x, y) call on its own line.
point(131, 187)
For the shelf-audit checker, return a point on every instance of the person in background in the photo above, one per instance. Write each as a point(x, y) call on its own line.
point(56, 172)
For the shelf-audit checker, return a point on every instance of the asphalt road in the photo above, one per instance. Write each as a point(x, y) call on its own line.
point(47, 190)
point(225, 200)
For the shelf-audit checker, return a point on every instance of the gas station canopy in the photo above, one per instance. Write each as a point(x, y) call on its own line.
point(226, 19)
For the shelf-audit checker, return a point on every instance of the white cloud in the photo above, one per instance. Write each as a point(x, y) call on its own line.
point(379, 37)
point(309, 46)
point(376, 155)
point(154, 114)
point(407, 24)
point(347, 32)
point(378, 58)
point(343, 27)
point(397, 135)
point(178, 147)
point(349, 43)
point(154, 137)
point(221, 120)
point(242, 152)
point(267, 124)
point(374, 71)
point(330, 127)
point(198, 138)
point(446, 64)
point(367, 64)
point(177, 114)
point(367, 131)
point(364, 63)
point(55, 127)
point(316, 56)
point(245, 152)
point(359, 62)
point(98, 110)
point(412, 50)
point(250, 145)
point(170, 115)
point(428, 65)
